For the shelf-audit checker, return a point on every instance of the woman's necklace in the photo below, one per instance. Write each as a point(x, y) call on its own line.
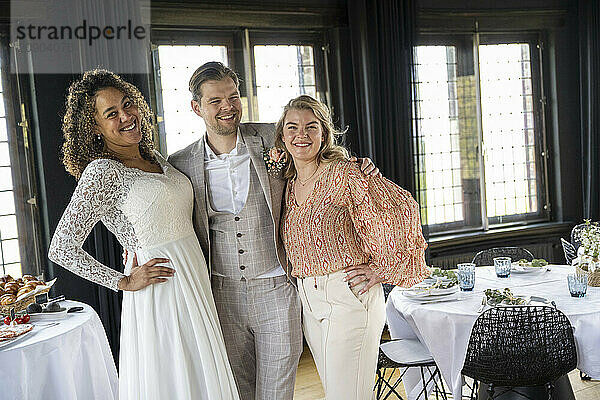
point(307, 179)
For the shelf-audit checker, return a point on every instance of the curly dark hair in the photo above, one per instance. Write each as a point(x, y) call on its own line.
point(82, 145)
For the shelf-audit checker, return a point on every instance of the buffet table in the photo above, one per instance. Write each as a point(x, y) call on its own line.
point(444, 327)
point(70, 360)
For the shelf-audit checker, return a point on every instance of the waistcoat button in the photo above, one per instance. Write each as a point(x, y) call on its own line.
point(241, 251)
point(242, 267)
point(237, 218)
point(239, 235)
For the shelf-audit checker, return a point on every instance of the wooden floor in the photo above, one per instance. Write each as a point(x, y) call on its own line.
point(308, 385)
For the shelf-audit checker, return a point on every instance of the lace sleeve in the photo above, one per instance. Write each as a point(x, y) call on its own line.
point(96, 194)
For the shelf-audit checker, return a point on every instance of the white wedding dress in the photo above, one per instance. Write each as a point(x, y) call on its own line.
point(171, 341)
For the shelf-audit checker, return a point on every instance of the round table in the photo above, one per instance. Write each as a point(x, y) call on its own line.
point(445, 327)
point(71, 360)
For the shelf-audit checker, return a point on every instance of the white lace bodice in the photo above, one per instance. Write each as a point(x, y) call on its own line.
point(142, 209)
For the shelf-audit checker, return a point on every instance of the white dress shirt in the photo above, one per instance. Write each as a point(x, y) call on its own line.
point(228, 177)
point(228, 181)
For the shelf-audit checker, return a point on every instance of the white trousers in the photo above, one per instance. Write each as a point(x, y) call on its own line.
point(343, 330)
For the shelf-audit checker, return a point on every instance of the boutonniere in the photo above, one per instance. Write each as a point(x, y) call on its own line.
point(274, 160)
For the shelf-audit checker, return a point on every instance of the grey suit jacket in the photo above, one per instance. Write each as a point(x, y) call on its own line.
point(190, 161)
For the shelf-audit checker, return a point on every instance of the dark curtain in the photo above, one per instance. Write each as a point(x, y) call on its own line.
point(382, 34)
point(589, 50)
point(105, 248)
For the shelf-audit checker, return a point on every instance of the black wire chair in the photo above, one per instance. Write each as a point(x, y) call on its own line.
point(387, 289)
point(569, 250)
point(520, 346)
point(402, 354)
point(486, 257)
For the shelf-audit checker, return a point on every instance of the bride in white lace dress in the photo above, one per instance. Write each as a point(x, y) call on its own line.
point(171, 342)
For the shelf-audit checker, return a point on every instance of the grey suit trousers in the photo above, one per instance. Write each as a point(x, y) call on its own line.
point(261, 323)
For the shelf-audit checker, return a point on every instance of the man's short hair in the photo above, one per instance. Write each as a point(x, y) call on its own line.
point(211, 71)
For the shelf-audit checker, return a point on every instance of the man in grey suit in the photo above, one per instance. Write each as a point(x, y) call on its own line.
point(237, 219)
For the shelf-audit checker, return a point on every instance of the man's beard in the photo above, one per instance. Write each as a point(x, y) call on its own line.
point(222, 130)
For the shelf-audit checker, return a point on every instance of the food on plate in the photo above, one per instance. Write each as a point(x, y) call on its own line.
point(7, 299)
point(34, 308)
point(53, 307)
point(495, 296)
point(22, 319)
point(536, 262)
point(449, 276)
point(12, 288)
point(12, 331)
point(24, 290)
point(539, 262)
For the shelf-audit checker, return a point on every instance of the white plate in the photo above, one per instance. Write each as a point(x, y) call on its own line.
point(422, 292)
point(14, 340)
point(48, 316)
point(433, 279)
point(517, 269)
point(435, 299)
point(529, 301)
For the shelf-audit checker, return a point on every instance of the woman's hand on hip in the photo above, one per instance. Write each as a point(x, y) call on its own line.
point(360, 273)
point(146, 274)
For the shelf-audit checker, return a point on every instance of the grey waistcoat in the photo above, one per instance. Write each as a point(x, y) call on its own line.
point(242, 245)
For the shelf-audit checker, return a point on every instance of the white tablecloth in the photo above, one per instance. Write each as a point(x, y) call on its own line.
point(71, 360)
point(445, 327)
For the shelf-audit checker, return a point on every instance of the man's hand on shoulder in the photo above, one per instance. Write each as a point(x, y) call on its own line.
point(366, 166)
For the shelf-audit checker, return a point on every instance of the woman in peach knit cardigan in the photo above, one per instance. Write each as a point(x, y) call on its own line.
point(344, 234)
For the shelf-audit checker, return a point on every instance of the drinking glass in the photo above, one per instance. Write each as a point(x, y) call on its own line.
point(577, 284)
point(502, 266)
point(466, 276)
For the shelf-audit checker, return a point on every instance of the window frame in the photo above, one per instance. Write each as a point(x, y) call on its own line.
point(22, 165)
point(315, 39)
point(234, 41)
point(535, 41)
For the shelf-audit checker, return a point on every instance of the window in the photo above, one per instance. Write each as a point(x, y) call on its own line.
point(479, 142)
point(178, 123)
point(9, 233)
point(282, 73)
point(273, 69)
point(19, 236)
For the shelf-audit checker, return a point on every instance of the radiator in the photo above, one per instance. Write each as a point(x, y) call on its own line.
point(552, 252)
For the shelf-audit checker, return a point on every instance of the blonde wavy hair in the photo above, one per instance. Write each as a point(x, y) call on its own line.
point(329, 151)
point(82, 145)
